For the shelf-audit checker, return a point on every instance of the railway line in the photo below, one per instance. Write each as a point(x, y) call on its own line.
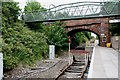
point(77, 70)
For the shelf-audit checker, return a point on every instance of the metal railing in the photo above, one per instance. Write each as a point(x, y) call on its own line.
point(74, 10)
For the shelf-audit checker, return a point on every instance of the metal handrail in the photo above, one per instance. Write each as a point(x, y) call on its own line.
point(72, 10)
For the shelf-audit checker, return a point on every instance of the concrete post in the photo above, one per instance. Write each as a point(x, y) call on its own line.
point(51, 51)
point(1, 66)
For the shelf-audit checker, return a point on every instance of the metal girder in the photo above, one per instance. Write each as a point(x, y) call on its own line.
point(74, 10)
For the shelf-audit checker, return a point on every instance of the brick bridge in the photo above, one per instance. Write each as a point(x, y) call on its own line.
point(98, 25)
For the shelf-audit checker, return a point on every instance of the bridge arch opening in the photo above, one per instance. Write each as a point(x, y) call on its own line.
point(72, 33)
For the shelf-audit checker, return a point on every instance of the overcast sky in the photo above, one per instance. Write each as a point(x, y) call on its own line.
point(47, 3)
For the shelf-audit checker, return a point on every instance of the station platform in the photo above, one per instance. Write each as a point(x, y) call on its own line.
point(104, 63)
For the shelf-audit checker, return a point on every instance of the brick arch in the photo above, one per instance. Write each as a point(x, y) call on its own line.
point(72, 32)
point(91, 28)
point(95, 25)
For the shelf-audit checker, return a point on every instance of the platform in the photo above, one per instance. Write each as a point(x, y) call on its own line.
point(104, 63)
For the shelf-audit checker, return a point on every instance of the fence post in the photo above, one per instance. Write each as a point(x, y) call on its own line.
point(1, 66)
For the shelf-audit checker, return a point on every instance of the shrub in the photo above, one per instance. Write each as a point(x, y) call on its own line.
point(22, 45)
point(57, 36)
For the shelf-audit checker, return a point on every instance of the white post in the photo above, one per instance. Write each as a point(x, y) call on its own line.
point(1, 66)
point(51, 51)
point(69, 53)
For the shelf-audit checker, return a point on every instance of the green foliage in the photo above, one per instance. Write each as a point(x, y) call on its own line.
point(23, 44)
point(20, 44)
point(56, 35)
point(115, 29)
point(96, 37)
point(11, 11)
point(81, 37)
point(88, 35)
point(33, 6)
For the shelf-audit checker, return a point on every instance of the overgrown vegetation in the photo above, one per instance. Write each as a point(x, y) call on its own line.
point(57, 36)
point(20, 44)
point(33, 6)
point(80, 38)
point(24, 45)
point(115, 29)
point(55, 33)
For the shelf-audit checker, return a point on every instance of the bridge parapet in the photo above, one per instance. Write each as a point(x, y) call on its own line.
point(73, 11)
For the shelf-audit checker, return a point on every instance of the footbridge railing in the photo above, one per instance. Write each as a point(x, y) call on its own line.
point(74, 10)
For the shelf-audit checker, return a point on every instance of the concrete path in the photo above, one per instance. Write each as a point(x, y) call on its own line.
point(104, 63)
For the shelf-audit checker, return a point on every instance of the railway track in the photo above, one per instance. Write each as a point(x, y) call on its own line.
point(77, 70)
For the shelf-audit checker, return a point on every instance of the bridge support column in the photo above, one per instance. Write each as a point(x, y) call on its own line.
point(104, 33)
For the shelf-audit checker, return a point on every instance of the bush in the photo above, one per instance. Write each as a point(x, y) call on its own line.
point(22, 45)
point(57, 36)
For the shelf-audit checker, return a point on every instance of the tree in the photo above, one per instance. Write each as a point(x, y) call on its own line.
point(32, 10)
point(32, 6)
point(10, 12)
point(115, 29)
point(81, 37)
point(56, 35)
point(87, 34)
